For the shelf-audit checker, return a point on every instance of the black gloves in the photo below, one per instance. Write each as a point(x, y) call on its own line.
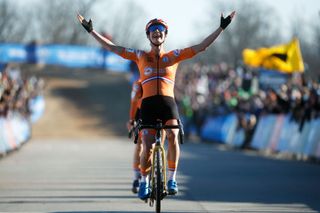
point(224, 22)
point(87, 25)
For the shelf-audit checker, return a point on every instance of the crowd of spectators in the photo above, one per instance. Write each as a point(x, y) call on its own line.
point(16, 91)
point(203, 91)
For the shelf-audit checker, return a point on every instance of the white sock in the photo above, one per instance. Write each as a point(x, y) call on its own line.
point(172, 174)
point(144, 179)
point(136, 174)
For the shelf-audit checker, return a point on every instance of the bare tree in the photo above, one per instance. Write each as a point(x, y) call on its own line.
point(317, 34)
point(55, 21)
point(309, 37)
point(13, 24)
point(316, 39)
point(124, 24)
point(253, 27)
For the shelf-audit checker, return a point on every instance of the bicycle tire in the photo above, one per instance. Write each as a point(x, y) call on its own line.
point(159, 184)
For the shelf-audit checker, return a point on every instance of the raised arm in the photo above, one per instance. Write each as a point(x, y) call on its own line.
point(224, 22)
point(106, 43)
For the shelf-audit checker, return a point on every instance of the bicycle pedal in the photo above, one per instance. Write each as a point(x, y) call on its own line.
point(164, 194)
point(151, 202)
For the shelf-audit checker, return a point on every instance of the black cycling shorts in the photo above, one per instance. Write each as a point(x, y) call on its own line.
point(158, 107)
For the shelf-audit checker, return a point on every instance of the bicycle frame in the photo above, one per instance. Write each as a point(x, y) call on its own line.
point(159, 148)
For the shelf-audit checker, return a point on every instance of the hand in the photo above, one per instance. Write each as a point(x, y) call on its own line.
point(86, 24)
point(224, 22)
point(130, 125)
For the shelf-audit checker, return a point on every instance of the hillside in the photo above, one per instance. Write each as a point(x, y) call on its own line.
point(83, 103)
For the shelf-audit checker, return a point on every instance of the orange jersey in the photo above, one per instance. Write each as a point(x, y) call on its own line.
point(157, 73)
point(136, 94)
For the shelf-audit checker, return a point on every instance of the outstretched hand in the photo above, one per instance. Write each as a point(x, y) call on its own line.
point(86, 24)
point(224, 22)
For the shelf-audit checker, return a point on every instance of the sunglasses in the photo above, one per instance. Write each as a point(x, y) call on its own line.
point(155, 27)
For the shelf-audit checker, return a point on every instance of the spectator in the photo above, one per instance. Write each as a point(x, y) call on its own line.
point(220, 89)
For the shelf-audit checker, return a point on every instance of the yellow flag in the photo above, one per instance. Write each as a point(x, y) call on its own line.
point(285, 58)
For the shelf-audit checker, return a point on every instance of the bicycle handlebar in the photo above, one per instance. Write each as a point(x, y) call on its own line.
point(145, 126)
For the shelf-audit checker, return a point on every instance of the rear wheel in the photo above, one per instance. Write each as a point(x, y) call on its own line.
point(159, 185)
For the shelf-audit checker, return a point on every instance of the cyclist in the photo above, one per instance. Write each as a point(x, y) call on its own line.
point(134, 115)
point(157, 73)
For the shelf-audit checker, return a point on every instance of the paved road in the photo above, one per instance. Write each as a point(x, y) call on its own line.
point(95, 176)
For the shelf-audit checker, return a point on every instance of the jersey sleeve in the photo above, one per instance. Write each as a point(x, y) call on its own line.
point(131, 54)
point(181, 54)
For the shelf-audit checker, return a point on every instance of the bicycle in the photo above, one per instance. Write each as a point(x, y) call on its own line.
point(158, 176)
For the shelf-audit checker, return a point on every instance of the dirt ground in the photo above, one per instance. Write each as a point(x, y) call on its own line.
point(83, 104)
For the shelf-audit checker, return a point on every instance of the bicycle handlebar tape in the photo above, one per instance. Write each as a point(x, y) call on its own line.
point(130, 134)
point(224, 22)
point(87, 25)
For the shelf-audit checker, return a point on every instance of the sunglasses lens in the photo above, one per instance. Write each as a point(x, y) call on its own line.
point(159, 27)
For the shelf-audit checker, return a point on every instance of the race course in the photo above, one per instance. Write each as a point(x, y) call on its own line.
point(79, 160)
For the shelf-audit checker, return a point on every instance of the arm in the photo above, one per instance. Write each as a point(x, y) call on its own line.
point(207, 41)
point(224, 22)
point(136, 95)
point(133, 110)
point(106, 43)
point(132, 113)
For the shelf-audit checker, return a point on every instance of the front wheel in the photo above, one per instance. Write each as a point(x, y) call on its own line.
point(159, 184)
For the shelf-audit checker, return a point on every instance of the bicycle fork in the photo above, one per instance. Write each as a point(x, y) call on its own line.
point(158, 149)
